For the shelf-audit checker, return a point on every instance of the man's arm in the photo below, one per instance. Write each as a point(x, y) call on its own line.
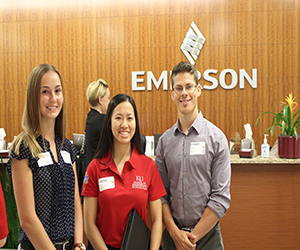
point(220, 185)
point(207, 222)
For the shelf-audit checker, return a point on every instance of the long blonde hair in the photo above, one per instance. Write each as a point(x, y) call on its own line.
point(31, 121)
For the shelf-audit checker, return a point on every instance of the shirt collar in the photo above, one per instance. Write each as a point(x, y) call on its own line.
point(134, 160)
point(58, 141)
point(198, 123)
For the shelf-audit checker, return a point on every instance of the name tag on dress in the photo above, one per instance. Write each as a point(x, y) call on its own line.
point(66, 156)
point(106, 183)
point(197, 148)
point(45, 159)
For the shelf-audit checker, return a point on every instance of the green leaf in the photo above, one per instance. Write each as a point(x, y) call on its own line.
point(262, 115)
point(285, 120)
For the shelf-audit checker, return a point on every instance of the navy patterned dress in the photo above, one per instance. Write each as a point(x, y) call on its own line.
point(54, 187)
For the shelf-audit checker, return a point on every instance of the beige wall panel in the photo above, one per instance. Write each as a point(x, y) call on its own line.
point(118, 67)
point(137, 32)
point(2, 73)
point(109, 40)
point(37, 36)
point(10, 68)
point(76, 64)
point(23, 37)
point(10, 36)
point(62, 34)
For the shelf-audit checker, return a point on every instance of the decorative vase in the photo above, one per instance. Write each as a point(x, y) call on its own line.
point(288, 147)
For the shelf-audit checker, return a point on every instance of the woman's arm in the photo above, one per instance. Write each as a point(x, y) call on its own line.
point(2, 242)
point(91, 230)
point(78, 235)
point(23, 190)
point(156, 220)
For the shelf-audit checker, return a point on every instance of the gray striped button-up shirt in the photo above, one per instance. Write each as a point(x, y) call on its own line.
point(195, 169)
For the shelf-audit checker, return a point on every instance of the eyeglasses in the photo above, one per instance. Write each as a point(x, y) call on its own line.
point(189, 89)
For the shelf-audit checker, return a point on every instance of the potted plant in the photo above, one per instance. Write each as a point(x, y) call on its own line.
point(288, 122)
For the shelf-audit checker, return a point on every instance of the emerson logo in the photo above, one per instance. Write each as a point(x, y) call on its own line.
point(191, 48)
point(192, 43)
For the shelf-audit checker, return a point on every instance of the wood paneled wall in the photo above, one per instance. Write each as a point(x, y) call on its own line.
point(89, 39)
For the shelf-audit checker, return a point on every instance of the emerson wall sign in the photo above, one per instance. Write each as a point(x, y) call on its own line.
point(191, 48)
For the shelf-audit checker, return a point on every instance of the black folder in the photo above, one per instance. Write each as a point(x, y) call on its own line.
point(137, 234)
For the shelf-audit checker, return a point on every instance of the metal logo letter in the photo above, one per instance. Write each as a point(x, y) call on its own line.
point(192, 43)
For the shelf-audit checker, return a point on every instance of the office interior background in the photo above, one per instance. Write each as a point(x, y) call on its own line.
point(91, 39)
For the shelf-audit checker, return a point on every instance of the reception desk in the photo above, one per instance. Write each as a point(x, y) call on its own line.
point(265, 207)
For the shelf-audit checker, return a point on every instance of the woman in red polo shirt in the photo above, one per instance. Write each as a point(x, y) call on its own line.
point(120, 178)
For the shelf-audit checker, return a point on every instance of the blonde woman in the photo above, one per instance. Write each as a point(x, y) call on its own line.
point(98, 95)
point(43, 170)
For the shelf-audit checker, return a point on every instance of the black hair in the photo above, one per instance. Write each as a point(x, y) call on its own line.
point(106, 138)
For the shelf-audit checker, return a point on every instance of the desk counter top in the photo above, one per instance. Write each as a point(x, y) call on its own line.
point(235, 159)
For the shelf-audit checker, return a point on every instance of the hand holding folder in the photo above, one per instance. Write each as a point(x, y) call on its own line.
point(137, 234)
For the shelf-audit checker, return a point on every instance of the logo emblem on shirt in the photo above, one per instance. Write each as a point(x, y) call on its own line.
point(139, 178)
point(86, 178)
point(139, 183)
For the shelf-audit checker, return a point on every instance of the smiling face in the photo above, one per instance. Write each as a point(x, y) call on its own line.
point(123, 123)
point(186, 101)
point(51, 96)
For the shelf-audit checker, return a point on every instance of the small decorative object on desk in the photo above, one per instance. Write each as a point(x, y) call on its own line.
point(288, 122)
point(246, 153)
point(237, 142)
point(2, 141)
point(265, 148)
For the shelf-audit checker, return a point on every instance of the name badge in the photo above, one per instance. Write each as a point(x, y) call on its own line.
point(197, 148)
point(106, 183)
point(66, 156)
point(45, 159)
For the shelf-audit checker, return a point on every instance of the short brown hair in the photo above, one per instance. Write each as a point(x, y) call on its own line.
point(183, 67)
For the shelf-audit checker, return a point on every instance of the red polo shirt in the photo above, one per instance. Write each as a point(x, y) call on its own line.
point(117, 194)
point(3, 218)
